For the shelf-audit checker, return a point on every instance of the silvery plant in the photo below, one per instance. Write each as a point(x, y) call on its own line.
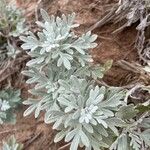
point(9, 101)
point(12, 144)
point(12, 25)
point(12, 22)
point(63, 75)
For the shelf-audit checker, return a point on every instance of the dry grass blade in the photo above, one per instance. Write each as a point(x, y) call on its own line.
point(65, 146)
point(32, 140)
point(136, 68)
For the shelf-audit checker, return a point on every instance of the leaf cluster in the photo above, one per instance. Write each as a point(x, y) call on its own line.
point(57, 44)
point(9, 100)
point(82, 113)
point(12, 22)
point(12, 144)
point(12, 25)
point(135, 134)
